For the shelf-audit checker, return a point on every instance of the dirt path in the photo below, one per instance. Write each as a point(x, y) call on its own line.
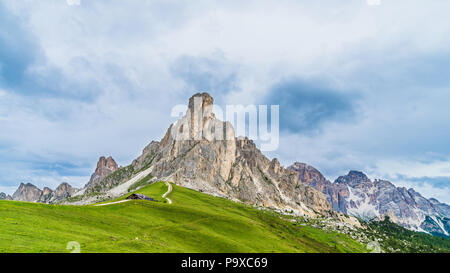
point(112, 203)
point(169, 190)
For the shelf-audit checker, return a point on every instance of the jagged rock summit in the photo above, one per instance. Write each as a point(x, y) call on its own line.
point(105, 167)
point(203, 153)
point(27, 192)
point(355, 194)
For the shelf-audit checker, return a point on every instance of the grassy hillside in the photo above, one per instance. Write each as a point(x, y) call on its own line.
point(195, 222)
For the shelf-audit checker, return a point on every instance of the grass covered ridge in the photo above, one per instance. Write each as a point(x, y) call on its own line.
point(195, 222)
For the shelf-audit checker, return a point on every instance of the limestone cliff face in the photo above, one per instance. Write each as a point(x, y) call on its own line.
point(203, 153)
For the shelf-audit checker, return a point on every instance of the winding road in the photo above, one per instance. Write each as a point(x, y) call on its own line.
point(169, 190)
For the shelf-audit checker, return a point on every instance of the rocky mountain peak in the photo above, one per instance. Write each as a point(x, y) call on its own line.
point(105, 167)
point(200, 101)
point(106, 164)
point(312, 177)
point(27, 192)
point(353, 178)
point(202, 153)
point(357, 174)
point(275, 166)
point(434, 201)
point(63, 186)
point(200, 121)
point(46, 190)
point(412, 191)
point(64, 190)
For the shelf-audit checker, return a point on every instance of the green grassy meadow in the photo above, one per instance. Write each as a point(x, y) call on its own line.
point(195, 222)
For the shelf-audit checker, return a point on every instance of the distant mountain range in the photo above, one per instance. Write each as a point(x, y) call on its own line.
point(355, 194)
point(30, 193)
point(236, 169)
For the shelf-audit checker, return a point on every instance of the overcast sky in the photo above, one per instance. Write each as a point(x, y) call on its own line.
point(360, 87)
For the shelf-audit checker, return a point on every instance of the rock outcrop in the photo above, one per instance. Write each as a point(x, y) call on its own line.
point(30, 193)
point(46, 195)
point(105, 167)
point(355, 194)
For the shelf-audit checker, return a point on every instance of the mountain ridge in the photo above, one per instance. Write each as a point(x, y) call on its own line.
point(355, 194)
point(30, 193)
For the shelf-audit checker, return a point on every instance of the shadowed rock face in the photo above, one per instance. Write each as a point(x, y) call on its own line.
point(229, 167)
point(30, 193)
point(355, 194)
